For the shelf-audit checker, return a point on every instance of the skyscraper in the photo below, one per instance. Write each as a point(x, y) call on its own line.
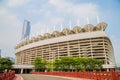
point(25, 30)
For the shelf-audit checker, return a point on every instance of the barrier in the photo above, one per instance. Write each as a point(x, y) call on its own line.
point(111, 75)
point(7, 75)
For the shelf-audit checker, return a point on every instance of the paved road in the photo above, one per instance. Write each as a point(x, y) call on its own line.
point(41, 77)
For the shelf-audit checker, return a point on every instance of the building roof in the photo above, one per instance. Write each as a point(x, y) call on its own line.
point(76, 30)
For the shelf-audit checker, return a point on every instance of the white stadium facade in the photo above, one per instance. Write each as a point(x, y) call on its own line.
point(89, 42)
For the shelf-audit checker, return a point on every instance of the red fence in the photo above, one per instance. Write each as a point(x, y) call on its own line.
point(7, 75)
point(111, 75)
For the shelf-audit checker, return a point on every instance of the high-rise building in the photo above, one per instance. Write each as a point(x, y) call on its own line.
point(26, 30)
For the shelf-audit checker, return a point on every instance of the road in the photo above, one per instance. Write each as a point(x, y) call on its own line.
point(41, 77)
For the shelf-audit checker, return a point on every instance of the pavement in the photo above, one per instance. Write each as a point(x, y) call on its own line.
point(17, 77)
point(44, 77)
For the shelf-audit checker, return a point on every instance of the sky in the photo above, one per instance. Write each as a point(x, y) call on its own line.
point(44, 14)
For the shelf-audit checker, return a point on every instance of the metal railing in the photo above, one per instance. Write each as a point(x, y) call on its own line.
point(111, 75)
point(7, 75)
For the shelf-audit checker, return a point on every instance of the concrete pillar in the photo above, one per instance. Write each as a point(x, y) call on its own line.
point(21, 71)
point(33, 70)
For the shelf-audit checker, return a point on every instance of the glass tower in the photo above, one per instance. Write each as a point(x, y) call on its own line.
point(26, 30)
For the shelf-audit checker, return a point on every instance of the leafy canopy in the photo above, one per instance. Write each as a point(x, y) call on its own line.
point(5, 63)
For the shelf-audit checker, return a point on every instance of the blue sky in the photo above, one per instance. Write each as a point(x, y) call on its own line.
point(48, 13)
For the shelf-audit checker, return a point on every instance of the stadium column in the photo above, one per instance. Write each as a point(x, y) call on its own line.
point(58, 50)
point(21, 70)
point(49, 52)
point(104, 51)
point(91, 49)
point(21, 59)
point(79, 48)
point(68, 48)
point(42, 53)
point(85, 52)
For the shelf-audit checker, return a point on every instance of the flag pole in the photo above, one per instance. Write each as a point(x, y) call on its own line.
point(98, 20)
point(88, 22)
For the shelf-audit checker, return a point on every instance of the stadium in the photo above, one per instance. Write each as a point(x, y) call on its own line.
point(89, 42)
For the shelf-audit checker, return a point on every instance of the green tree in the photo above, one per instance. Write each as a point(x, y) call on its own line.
point(98, 64)
point(49, 66)
point(67, 63)
point(5, 63)
point(117, 68)
point(90, 64)
point(80, 64)
point(77, 63)
point(40, 65)
point(58, 65)
point(64, 63)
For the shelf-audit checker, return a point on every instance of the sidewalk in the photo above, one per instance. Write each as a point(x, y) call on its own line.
point(17, 77)
point(44, 77)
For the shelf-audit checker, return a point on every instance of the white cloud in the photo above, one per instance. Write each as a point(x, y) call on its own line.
point(63, 10)
point(61, 4)
point(37, 29)
point(82, 10)
point(13, 3)
point(41, 28)
point(7, 18)
point(56, 12)
point(9, 31)
point(9, 24)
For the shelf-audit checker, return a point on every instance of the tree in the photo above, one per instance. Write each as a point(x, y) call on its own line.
point(5, 63)
point(58, 65)
point(117, 68)
point(77, 63)
point(68, 63)
point(98, 64)
point(80, 64)
point(50, 66)
point(40, 65)
point(90, 64)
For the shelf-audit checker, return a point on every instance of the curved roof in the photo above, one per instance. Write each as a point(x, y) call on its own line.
point(88, 27)
point(40, 37)
point(47, 35)
point(56, 33)
point(95, 28)
point(77, 29)
point(65, 31)
point(102, 26)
